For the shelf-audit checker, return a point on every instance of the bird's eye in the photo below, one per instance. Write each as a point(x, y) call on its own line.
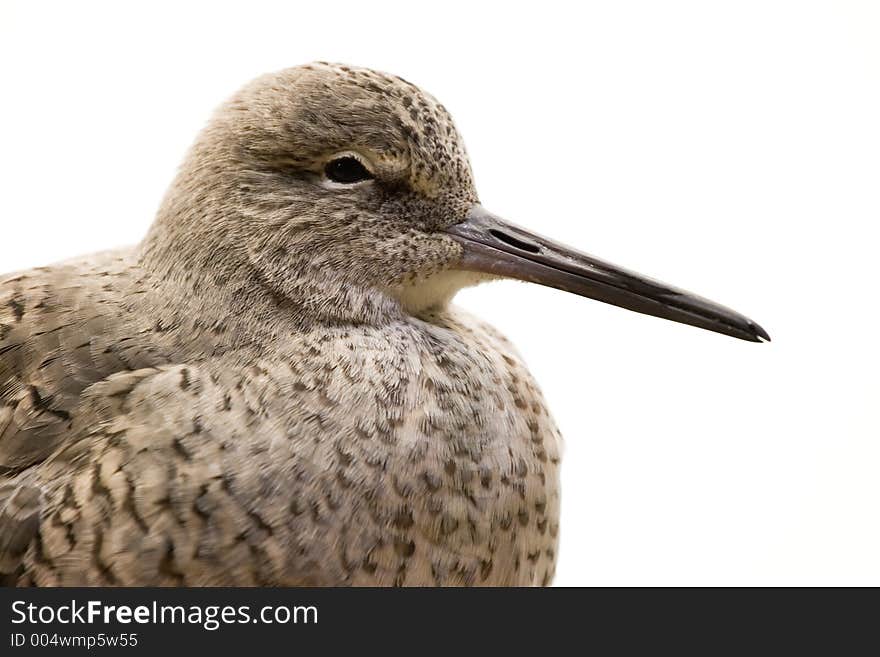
point(346, 170)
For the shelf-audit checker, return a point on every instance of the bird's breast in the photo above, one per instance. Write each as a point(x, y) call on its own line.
point(431, 454)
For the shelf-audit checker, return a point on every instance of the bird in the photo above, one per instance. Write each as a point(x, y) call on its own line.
point(274, 388)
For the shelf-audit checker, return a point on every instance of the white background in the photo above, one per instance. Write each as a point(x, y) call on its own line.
point(730, 148)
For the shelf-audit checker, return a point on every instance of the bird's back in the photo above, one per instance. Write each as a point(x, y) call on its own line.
point(60, 331)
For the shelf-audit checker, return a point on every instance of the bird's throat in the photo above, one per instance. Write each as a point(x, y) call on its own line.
point(435, 291)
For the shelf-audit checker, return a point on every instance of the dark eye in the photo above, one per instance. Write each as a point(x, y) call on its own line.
point(346, 170)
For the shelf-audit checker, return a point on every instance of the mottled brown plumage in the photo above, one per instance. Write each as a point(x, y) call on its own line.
point(272, 389)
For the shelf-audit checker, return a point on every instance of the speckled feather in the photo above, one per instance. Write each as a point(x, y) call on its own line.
point(273, 389)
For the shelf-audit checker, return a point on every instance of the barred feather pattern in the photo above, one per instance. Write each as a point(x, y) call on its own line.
point(352, 456)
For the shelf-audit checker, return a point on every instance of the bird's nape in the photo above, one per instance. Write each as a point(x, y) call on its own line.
point(493, 246)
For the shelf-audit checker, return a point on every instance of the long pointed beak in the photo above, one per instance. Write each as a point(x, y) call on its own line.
point(494, 246)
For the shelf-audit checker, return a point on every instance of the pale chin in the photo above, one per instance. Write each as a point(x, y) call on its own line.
point(437, 290)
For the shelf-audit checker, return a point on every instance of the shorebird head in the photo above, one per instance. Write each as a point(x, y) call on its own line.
point(345, 193)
